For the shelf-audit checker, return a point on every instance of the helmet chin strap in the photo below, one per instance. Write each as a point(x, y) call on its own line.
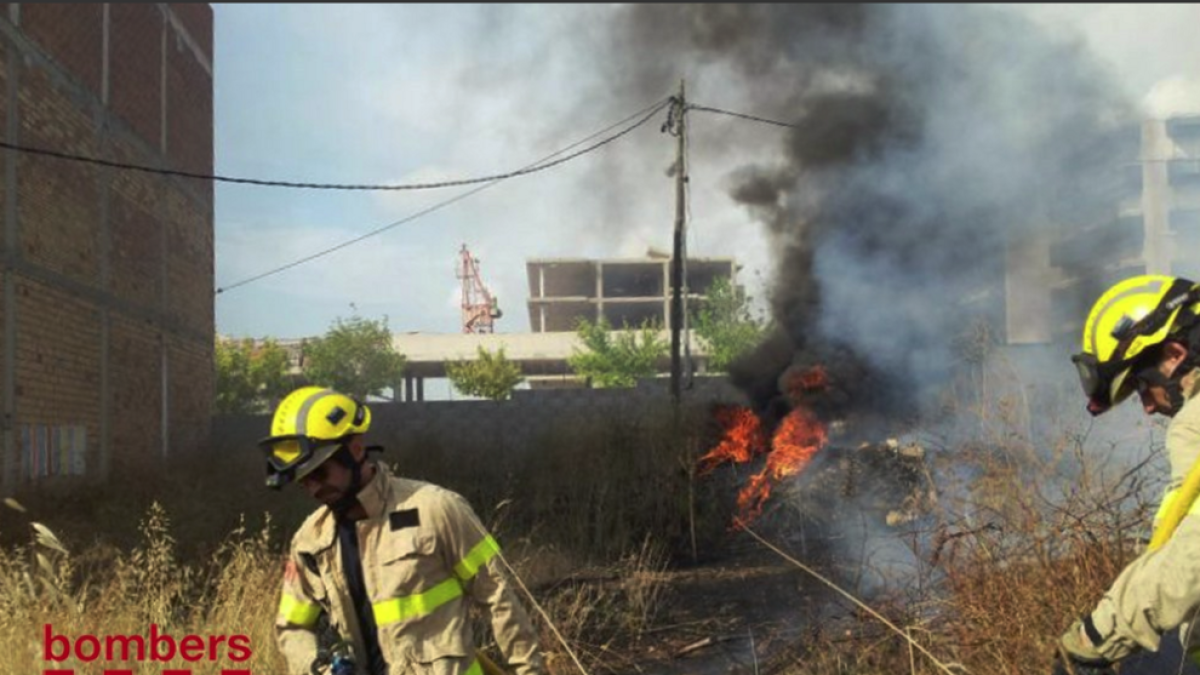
point(1172, 385)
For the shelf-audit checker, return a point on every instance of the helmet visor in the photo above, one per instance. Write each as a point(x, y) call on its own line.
point(1104, 384)
point(285, 453)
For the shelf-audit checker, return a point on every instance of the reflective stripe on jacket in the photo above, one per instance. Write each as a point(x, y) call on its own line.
point(424, 555)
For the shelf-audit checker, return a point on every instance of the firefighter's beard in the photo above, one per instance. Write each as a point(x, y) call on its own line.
point(328, 495)
point(341, 502)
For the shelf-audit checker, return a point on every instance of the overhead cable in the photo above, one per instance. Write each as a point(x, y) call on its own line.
point(1167, 160)
point(289, 184)
point(742, 115)
point(645, 113)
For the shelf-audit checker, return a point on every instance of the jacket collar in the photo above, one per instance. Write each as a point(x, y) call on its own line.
point(375, 495)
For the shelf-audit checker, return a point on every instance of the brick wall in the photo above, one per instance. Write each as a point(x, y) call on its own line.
point(58, 363)
point(57, 202)
point(71, 35)
point(109, 291)
point(135, 361)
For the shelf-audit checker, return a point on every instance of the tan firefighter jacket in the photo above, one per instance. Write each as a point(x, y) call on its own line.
point(1160, 590)
point(424, 555)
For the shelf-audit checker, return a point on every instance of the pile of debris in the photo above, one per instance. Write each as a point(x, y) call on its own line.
point(888, 482)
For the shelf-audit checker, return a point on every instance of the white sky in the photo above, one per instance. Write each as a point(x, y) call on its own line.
point(411, 93)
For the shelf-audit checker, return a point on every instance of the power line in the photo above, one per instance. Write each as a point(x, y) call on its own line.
point(742, 115)
point(534, 168)
point(646, 113)
point(1169, 160)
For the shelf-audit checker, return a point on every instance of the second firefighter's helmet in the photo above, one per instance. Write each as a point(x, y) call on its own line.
point(309, 426)
point(1126, 323)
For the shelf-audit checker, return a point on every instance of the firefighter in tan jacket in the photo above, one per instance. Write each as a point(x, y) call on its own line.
point(1143, 336)
point(392, 563)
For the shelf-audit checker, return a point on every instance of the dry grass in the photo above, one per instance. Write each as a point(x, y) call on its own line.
point(168, 544)
point(1024, 536)
point(235, 592)
point(1021, 540)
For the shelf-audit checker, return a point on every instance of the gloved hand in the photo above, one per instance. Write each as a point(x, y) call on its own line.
point(1076, 665)
point(333, 664)
point(1077, 655)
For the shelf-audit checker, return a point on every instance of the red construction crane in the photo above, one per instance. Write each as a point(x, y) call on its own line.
point(479, 307)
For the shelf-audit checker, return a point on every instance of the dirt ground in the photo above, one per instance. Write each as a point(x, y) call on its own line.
point(746, 608)
point(724, 617)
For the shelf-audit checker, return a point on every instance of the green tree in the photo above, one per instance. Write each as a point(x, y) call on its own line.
point(250, 375)
point(725, 324)
point(355, 357)
point(617, 358)
point(489, 376)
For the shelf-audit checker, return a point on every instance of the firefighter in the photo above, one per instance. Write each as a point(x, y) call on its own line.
point(390, 562)
point(1143, 336)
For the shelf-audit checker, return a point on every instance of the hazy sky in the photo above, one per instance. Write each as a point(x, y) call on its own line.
point(411, 93)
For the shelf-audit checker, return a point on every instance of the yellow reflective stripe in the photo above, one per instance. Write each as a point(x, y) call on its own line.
point(478, 557)
point(475, 669)
point(296, 611)
point(413, 606)
point(1168, 500)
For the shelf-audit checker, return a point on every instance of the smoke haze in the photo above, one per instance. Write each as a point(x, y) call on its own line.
point(926, 138)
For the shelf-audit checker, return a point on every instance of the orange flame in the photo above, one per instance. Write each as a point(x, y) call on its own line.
point(797, 439)
point(812, 379)
point(743, 439)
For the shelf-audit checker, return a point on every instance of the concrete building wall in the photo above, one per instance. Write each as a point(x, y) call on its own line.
point(627, 293)
point(1156, 197)
point(107, 293)
point(498, 427)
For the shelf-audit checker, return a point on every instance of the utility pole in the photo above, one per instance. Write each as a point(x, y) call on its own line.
point(677, 255)
point(675, 125)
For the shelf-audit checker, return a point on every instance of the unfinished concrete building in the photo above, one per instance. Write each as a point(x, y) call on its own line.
point(628, 293)
point(1156, 229)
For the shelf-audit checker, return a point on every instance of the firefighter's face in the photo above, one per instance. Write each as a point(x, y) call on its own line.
point(328, 482)
point(1155, 398)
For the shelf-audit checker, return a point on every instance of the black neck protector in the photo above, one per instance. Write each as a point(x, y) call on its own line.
point(350, 499)
point(1173, 385)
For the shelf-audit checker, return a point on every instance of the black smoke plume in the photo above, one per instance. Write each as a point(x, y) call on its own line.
point(927, 139)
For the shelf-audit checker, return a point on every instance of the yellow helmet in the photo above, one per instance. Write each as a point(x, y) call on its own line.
point(309, 426)
point(1129, 319)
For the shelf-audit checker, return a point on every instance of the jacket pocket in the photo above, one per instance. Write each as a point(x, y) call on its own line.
point(404, 545)
point(406, 569)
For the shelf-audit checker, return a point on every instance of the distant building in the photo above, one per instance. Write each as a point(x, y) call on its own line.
point(625, 292)
point(107, 292)
point(1055, 271)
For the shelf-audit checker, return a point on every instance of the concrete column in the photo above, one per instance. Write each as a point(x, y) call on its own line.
point(104, 55)
point(1156, 149)
point(408, 387)
point(164, 248)
point(106, 248)
point(164, 347)
point(666, 316)
point(1028, 277)
point(599, 291)
point(420, 389)
point(12, 254)
point(162, 126)
point(541, 281)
